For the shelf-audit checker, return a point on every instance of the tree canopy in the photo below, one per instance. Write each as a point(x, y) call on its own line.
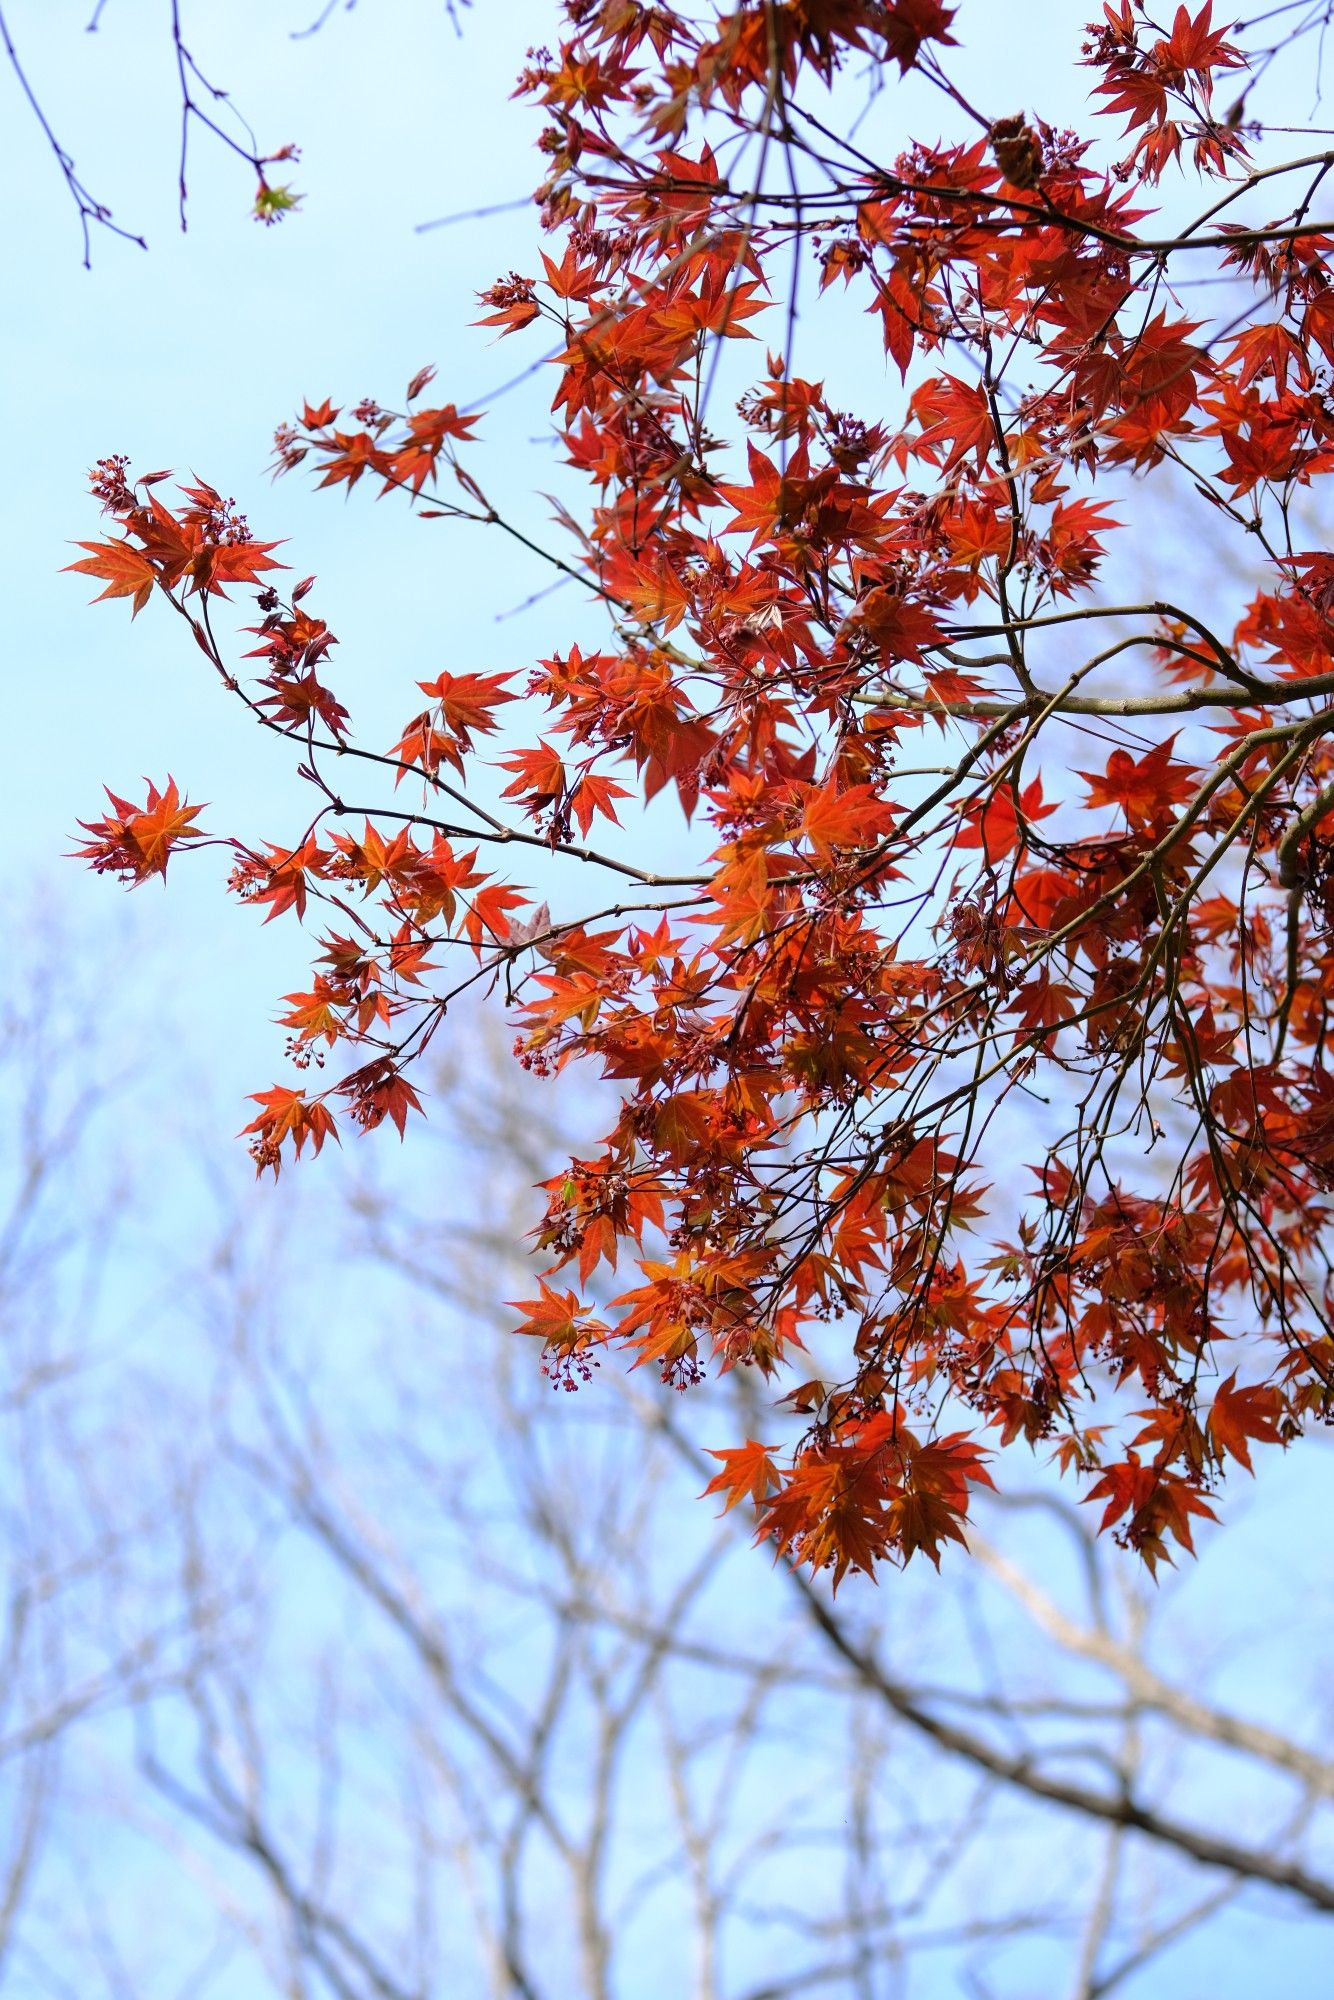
point(955, 925)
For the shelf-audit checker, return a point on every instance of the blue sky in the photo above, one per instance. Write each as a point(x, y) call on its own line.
point(187, 357)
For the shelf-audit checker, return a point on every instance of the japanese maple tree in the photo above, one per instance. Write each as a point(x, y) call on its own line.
point(975, 1054)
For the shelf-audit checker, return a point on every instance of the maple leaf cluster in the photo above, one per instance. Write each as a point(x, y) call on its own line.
point(976, 1054)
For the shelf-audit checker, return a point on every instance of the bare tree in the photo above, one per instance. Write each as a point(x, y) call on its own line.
point(343, 1658)
point(93, 1619)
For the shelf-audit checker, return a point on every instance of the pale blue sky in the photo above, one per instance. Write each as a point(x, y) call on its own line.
point(187, 357)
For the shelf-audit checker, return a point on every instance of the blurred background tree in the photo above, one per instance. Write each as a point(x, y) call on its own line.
point(342, 1657)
